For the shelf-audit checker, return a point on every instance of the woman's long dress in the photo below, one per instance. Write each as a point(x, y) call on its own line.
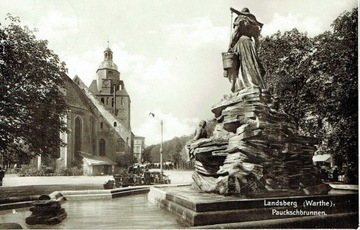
point(251, 70)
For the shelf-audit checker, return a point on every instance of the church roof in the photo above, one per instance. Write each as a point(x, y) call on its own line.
point(122, 92)
point(108, 64)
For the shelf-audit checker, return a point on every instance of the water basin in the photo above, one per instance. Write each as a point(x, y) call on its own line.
point(129, 212)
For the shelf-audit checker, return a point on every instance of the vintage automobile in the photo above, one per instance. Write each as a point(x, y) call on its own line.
point(138, 174)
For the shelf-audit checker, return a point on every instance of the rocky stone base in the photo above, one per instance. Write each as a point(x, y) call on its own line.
point(255, 148)
point(46, 212)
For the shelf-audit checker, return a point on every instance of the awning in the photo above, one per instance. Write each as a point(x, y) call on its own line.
point(322, 158)
point(96, 160)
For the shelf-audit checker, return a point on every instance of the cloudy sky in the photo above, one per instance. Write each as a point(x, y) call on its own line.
point(168, 51)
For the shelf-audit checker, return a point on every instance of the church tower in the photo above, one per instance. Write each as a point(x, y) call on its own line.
point(110, 89)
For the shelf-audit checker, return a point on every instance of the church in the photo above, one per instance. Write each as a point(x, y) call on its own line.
point(99, 123)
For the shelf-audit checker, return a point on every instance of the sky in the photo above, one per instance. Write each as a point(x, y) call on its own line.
point(167, 51)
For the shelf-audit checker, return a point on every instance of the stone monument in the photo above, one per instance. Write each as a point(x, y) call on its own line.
point(255, 148)
point(255, 170)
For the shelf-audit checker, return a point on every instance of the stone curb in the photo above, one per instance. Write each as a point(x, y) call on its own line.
point(61, 196)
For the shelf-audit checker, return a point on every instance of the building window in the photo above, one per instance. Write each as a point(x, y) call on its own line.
point(112, 102)
point(102, 147)
point(115, 124)
point(102, 100)
point(101, 125)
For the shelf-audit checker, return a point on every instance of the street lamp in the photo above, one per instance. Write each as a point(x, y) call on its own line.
point(161, 152)
point(161, 148)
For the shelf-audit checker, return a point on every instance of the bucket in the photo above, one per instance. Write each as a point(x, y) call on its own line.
point(229, 60)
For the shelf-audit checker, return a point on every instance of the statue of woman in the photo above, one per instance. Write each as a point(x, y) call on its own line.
point(244, 44)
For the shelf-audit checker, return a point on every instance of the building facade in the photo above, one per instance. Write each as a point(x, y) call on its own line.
point(98, 121)
point(139, 146)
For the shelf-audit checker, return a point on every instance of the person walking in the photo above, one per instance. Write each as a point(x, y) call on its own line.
point(2, 175)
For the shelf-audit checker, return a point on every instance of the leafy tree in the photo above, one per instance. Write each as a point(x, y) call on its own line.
point(146, 155)
point(339, 101)
point(126, 160)
point(287, 58)
point(32, 103)
point(155, 153)
point(316, 82)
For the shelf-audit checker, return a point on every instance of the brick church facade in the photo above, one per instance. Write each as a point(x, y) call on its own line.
point(98, 120)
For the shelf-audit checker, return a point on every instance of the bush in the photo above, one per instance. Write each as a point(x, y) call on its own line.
point(73, 171)
point(31, 170)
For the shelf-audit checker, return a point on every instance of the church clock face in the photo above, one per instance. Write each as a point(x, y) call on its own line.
point(106, 83)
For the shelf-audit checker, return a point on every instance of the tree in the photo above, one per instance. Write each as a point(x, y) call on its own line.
point(126, 160)
point(146, 156)
point(32, 103)
point(287, 58)
point(337, 55)
point(316, 81)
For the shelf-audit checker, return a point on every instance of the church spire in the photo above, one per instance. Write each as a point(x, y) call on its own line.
point(108, 54)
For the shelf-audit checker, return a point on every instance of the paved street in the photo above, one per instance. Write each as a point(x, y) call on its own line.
point(176, 177)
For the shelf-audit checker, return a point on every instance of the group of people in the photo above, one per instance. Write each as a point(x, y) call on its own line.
point(139, 175)
point(335, 175)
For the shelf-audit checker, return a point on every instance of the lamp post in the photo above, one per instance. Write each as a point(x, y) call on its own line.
point(161, 148)
point(161, 152)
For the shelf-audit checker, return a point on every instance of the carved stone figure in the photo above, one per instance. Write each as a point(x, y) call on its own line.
point(200, 133)
point(244, 44)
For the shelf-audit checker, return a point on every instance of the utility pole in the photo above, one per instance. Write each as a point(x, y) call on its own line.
point(161, 153)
